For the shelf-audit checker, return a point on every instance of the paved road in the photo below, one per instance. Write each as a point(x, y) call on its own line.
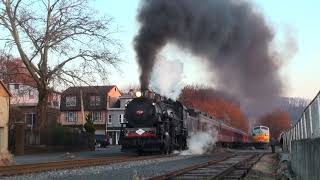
point(46, 157)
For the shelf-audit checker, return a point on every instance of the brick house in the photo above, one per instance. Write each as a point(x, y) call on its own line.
point(77, 102)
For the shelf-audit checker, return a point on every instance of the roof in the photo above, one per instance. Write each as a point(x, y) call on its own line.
point(86, 91)
point(5, 88)
point(126, 96)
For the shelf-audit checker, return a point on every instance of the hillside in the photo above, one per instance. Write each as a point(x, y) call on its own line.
point(294, 106)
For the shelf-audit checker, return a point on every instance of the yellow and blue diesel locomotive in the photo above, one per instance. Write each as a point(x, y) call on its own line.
point(261, 137)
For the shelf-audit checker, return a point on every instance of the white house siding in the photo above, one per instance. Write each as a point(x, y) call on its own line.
point(113, 128)
point(24, 95)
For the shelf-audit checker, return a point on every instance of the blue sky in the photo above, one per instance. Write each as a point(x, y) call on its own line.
point(301, 73)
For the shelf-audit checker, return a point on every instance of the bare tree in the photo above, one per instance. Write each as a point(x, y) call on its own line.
point(58, 41)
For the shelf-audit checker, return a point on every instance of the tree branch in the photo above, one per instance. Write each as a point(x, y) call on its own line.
point(32, 69)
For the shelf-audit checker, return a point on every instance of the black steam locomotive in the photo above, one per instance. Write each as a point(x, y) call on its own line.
point(154, 124)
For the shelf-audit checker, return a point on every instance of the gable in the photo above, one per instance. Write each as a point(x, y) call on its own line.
point(114, 92)
point(4, 91)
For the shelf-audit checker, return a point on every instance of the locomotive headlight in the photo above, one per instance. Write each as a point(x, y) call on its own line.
point(138, 94)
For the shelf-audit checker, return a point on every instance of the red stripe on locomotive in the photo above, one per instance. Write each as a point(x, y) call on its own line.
point(142, 135)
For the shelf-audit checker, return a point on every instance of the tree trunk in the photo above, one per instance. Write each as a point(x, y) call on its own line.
point(42, 119)
point(91, 142)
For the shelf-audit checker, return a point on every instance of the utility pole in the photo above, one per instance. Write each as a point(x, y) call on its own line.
point(82, 108)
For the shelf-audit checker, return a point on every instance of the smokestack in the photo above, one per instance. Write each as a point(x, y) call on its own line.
point(230, 35)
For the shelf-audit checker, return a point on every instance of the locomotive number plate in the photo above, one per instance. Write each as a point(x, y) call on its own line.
point(140, 131)
point(139, 112)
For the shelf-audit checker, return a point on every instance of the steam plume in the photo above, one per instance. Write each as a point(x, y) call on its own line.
point(201, 142)
point(230, 35)
point(166, 78)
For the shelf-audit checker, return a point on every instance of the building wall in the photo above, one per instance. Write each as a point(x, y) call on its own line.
point(113, 128)
point(28, 115)
point(115, 117)
point(4, 119)
point(80, 120)
point(25, 95)
point(52, 114)
point(110, 104)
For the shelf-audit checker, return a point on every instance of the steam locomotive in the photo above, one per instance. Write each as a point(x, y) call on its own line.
point(154, 124)
point(157, 124)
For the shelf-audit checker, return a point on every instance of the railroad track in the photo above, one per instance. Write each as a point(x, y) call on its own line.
point(68, 164)
point(232, 167)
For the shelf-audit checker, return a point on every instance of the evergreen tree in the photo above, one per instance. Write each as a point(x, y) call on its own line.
point(89, 125)
point(90, 129)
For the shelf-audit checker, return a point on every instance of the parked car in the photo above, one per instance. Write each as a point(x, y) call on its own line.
point(102, 140)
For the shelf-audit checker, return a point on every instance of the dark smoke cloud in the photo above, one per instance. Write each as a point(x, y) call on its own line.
point(231, 35)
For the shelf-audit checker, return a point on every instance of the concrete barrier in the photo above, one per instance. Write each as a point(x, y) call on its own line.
point(305, 158)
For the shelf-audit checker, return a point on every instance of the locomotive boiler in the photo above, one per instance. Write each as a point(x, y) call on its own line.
point(154, 124)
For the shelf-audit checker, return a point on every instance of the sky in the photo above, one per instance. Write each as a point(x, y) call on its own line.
point(298, 19)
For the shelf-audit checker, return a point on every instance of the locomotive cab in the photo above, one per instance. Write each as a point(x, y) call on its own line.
point(261, 137)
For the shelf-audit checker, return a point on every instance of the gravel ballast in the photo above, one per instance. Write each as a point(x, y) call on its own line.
point(125, 170)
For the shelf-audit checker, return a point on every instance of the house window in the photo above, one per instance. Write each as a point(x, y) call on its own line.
point(71, 101)
point(16, 86)
point(96, 116)
point(71, 117)
point(30, 119)
point(31, 94)
point(55, 103)
point(109, 119)
point(121, 118)
point(95, 100)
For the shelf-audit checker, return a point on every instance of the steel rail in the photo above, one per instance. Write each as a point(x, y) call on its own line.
point(244, 168)
point(188, 169)
point(215, 169)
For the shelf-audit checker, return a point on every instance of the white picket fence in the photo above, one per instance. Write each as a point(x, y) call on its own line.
point(307, 127)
